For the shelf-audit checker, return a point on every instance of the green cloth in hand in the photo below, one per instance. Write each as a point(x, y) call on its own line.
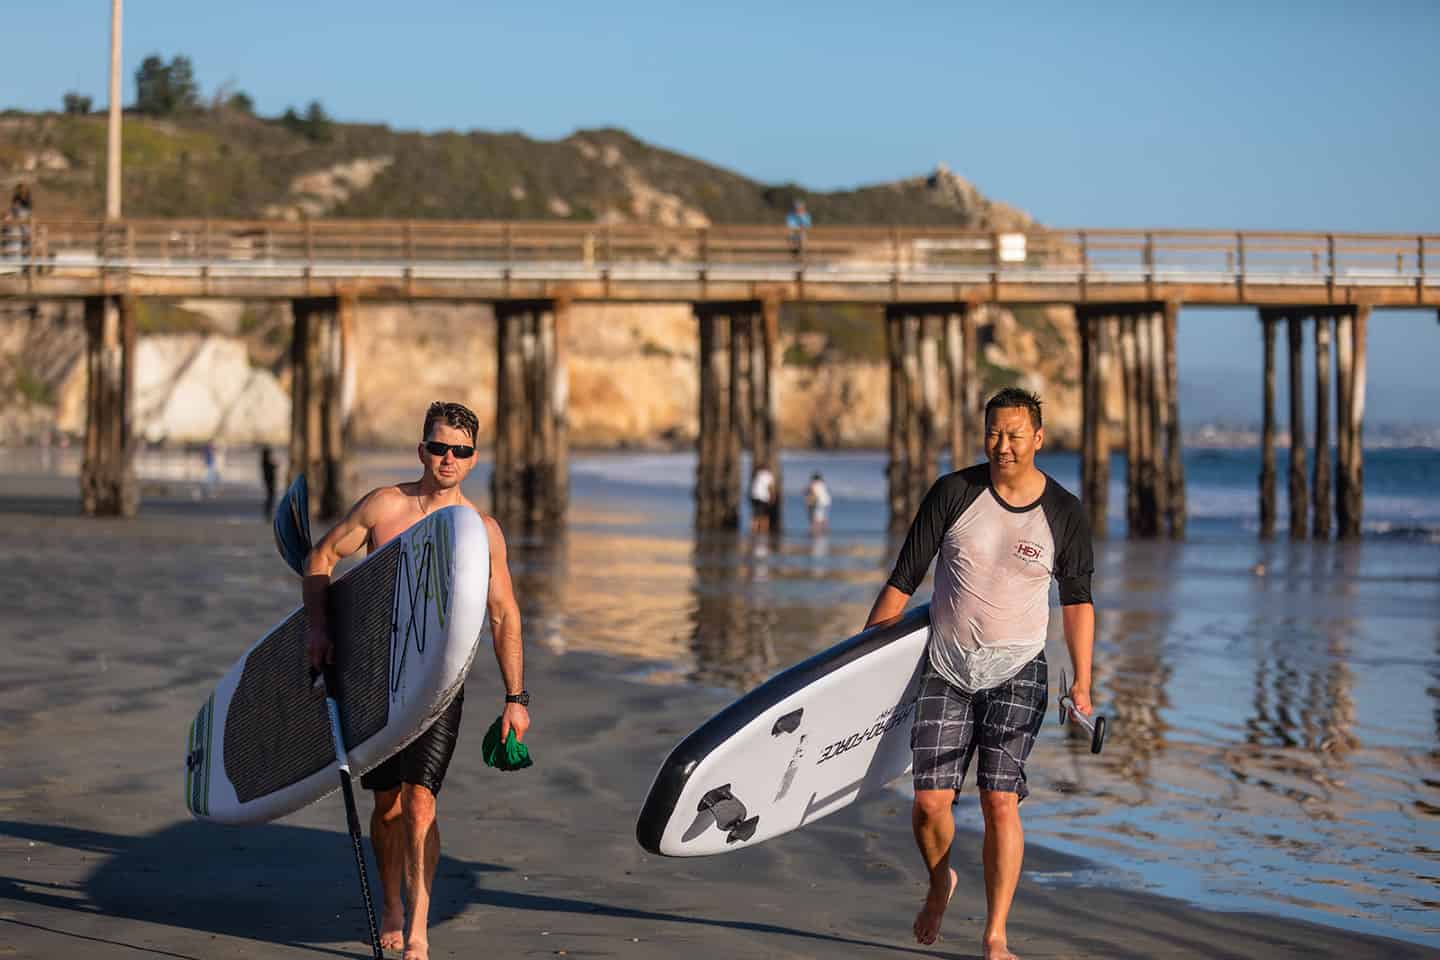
point(512, 755)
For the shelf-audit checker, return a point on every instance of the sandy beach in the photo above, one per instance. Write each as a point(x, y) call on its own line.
point(114, 630)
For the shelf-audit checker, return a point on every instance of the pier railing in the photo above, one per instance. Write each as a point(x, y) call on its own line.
point(561, 250)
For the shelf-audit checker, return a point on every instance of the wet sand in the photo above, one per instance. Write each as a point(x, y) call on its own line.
point(112, 633)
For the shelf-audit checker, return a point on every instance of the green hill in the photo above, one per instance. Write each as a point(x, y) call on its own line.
point(226, 163)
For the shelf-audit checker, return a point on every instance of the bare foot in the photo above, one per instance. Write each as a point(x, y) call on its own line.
point(392, 930)
point(417, 950)
point(997, 950)
point(927, 921)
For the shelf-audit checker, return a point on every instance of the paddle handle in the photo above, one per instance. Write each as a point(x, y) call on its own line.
point(1095, 724)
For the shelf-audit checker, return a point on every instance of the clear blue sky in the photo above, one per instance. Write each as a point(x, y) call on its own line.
point(1317, 115)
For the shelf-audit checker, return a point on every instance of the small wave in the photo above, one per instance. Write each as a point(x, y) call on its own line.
point(1401, 530)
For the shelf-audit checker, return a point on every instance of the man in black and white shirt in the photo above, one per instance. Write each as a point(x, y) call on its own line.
point(1003, 530)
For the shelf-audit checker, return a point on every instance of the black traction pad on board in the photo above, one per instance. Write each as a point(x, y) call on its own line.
point(276, 731)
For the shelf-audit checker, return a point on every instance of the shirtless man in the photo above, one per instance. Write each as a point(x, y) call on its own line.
point(403, 828)
point(1003, 530)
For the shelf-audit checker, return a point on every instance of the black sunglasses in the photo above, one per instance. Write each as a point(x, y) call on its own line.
point(462, 451)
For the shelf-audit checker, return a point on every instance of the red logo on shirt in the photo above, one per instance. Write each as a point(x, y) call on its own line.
point(1028, 551)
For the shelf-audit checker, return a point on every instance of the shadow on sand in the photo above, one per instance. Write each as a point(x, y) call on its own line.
point(287, 885)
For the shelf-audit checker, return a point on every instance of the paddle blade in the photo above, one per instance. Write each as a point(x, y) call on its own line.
point(292, 525)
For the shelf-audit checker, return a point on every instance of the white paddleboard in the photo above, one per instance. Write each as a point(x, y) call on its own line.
point(406, 623)
point(812, 740)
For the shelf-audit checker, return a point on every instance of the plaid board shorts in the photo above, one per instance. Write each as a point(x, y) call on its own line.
point(1001, 722)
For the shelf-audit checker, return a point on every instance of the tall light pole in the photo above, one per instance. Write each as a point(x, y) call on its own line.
point(112, 144)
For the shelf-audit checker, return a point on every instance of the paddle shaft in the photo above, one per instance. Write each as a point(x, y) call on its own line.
point(352, 817)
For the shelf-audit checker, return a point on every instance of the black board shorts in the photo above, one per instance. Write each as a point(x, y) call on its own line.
point(1001, 723)
point(426, 758)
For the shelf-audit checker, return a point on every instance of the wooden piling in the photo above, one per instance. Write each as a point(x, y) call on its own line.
point(1344, 380)
point(970, 389)
point(929, 419)
point(1159, 425)
point(896, 469)
point(769, 428)
point(914, 404)
point(1145, 428)
point(957, 421)
point(736, 416)
point(1299, 491)
point(1097, 332)
point(742, 335)
point(107, 475)
point(1100, 502)
point(1268, 321)
point(1322, 514)
point(726, 476)
point(1129, 372)
point(560, 412)
point(319, 417)
point(542, 437)
point(336, 336)
point(739, 349)
point(1353, 498)
point(524, 416)
point(529, 480)
point(507, 476)
point(301, 371)
point(1084, 326)
point(706, 440)
point(1174, 462)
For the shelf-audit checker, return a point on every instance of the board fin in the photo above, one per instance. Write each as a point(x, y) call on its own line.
point(743, 830)
point(729, 814)
point(292, 525)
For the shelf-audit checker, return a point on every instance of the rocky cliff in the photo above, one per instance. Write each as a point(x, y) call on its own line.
point(223, 373)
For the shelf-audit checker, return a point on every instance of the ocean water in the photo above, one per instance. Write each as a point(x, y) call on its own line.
point(1274, 708)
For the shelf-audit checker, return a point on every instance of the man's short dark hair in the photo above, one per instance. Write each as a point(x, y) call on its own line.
point(1014, 397)
point(456, 415)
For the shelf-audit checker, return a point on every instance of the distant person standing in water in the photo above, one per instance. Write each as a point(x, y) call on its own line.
point(762, 499)
point(212, 468)
point(1003, 530)
point(267, 477)
point(817, 499)
point(797, 221)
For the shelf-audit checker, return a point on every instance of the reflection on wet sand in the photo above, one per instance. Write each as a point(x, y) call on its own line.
point(1299, 730)
point(733, 620)
point(1132, 669)
point(1137, 676)
point(755, 608)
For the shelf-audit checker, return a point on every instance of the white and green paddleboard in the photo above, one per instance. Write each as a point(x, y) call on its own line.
point(406, 623)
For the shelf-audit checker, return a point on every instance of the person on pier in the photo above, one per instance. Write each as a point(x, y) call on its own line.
point(1003, 530)
point(404, 830)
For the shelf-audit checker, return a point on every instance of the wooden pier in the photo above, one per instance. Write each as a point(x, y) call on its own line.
point(1126, 288)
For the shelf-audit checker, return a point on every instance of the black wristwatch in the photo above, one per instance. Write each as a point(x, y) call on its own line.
point(522, 698)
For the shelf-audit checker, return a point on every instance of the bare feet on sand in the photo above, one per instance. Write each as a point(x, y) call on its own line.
point(417, 950)
point(392, 932)
point(996, 950)
point(927, 921)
